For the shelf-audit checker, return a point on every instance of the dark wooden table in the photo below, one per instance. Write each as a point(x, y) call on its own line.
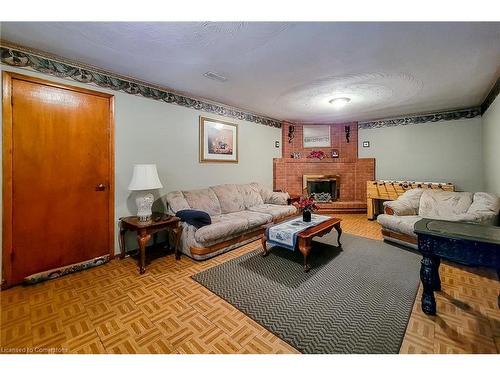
point(304, 238)
point(465, 243)
point(145, 229)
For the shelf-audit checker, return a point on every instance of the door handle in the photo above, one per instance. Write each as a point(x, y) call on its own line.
point(100, 187)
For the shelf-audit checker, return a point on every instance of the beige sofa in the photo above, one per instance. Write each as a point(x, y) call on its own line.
point(402, 214)
point(238, 213)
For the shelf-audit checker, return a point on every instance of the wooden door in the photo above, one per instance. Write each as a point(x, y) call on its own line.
point(58, 176)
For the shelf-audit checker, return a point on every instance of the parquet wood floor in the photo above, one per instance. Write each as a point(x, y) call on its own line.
point(112, 309)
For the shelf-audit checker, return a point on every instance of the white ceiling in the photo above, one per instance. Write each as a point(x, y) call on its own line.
point(288, 70)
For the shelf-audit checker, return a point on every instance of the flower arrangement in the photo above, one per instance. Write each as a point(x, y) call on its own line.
point(307, 205)
point(317, 154)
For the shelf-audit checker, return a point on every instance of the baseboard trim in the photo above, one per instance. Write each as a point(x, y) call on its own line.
point(62, 271)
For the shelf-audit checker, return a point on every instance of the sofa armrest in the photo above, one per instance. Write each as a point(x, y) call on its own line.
point(272, 197)
point(489, 218)
point(399, 208)
point(279, 198)
point(484, 209)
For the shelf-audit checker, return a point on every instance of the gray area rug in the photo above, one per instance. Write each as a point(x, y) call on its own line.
point(357, 299)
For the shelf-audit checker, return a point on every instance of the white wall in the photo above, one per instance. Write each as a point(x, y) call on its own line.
point(149, 131)
point(491, 147)
point(444, 151)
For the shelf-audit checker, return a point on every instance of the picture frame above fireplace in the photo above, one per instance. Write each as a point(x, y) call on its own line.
point(315, 136)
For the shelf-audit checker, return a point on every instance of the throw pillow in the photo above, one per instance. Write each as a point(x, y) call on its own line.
point(195, 218)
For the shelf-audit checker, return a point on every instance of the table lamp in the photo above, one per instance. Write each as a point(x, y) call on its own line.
point(145, 177)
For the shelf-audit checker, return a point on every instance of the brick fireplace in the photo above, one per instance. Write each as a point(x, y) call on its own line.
point(348, 171)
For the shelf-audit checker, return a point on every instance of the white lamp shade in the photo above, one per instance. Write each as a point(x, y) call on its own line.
point(145, 177)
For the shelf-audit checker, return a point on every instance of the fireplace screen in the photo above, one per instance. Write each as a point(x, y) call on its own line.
point(322, 188)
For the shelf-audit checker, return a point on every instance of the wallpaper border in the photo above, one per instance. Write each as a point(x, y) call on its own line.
point(422, 118)
point(56, 66)
point(492, 95)
point(43, 62)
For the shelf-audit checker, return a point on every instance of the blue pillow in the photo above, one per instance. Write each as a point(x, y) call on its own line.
point(194, 217)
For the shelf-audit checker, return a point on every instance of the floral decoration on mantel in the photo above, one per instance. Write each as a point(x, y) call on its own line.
point(317, 155)
point(25, 58)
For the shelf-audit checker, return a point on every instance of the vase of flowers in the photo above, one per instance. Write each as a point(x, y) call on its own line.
point(307, 205)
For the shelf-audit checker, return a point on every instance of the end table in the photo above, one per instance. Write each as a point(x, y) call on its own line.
point(294, 198)
point(145, 229)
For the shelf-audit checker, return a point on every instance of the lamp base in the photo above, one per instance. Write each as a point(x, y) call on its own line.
point(144, 203)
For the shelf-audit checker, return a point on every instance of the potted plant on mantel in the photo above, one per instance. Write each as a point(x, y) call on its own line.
point(307, 205)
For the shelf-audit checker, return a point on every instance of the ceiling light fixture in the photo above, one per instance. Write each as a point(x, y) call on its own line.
point(339, 102)
point(215, 76)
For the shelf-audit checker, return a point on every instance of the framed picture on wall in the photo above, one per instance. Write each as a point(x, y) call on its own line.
point(218, 141)
point(316, 136)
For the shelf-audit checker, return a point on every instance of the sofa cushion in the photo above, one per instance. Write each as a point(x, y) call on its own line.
point(277, 197)
point(255, 219)
point(484, 203)
point(412, 197)
point(195, 218)
point(203, 200)
point(176, 201)
point(484, 208)
point(399, 207)
point(272, 197)
point(222, 226)
point(407, 203)
point(277, 211)
point(400, 224)
point(446, 205)
point(250, 194)
point(230, 198)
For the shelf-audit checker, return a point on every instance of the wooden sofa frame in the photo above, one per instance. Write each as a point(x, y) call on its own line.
point(233, 241)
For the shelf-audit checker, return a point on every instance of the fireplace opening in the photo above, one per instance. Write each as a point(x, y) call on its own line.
point(321, 187)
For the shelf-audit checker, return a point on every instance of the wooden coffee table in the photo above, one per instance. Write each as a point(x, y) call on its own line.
point(304, 238)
